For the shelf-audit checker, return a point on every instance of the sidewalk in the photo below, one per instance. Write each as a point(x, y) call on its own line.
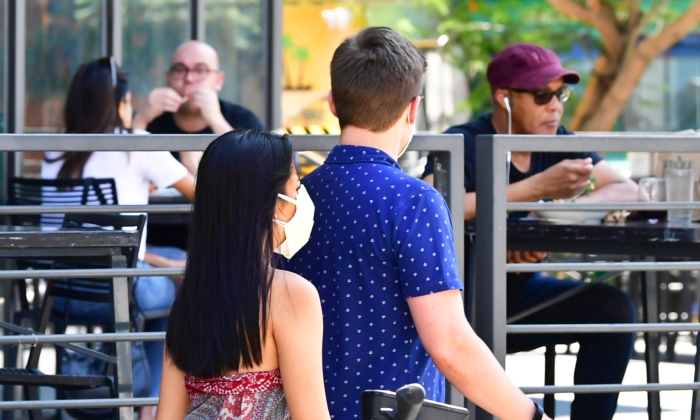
point(527, 369)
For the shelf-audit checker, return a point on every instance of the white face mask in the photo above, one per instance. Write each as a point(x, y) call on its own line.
point(411, 127)
point(298, 229)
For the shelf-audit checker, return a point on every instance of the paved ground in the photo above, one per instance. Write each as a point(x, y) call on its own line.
point(526, 369)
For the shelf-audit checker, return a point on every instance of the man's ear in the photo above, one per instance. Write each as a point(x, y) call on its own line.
point(499, 98)
point(331, 103)
point(413, 109)
point(220, 78)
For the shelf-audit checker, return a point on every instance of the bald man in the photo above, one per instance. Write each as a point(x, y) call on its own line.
point(191, 104)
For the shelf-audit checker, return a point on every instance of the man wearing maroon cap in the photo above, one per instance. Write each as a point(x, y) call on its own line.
point(531, 82)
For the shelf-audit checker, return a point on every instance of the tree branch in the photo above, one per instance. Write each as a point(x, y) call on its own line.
point(605, 25)
point(671, 34)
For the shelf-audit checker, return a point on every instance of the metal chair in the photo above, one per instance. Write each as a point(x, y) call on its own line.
point(93, 290)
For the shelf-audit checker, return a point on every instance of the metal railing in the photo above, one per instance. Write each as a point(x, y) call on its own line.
point(491, 267)
point(448, 150)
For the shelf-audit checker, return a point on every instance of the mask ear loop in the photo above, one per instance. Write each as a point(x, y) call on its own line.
point(289, 200)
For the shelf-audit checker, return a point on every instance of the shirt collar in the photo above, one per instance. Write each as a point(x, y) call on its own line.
point(344, 154)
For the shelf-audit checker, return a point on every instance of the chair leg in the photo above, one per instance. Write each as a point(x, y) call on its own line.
point(651, 354)
point(549, 365)
point(31, 393)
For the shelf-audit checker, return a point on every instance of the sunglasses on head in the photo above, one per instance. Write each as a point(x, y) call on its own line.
point(544, 96)
point(112, 64)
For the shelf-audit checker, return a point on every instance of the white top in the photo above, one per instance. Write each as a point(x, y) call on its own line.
point(132, 172)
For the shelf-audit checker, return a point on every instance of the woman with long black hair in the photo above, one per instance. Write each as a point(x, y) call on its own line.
point(244, 339)
point(99, 102)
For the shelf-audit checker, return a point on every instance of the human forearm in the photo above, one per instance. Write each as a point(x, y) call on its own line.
point(219, 125)
point(470, 366)
point(191, 160)
point(140, 121)
point(523, 191)
point(622, 191)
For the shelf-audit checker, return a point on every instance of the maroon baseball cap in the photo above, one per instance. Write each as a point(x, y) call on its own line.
point(527, 66)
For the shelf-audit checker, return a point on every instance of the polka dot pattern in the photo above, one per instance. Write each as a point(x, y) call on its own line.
point(379, 238)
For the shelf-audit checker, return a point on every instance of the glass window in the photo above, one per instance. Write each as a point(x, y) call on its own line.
point(60, 35)
point(152, 29)
point(235, 29)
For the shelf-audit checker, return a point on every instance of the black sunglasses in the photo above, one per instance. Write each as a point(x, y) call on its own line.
point(112, 63)
point(544, 96)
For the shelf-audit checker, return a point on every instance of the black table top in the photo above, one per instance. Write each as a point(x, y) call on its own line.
point(19, 237)
point(629, 238)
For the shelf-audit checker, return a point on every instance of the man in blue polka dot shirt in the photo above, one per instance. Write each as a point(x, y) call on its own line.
point(381, 252)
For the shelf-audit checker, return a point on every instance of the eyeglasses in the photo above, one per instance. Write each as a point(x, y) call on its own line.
point(544, 96)
point(180, 71)
point(112, 64)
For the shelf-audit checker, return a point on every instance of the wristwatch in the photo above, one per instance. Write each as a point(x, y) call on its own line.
point(539, 412)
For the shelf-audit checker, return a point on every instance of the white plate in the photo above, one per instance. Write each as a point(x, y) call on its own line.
point(580, 216)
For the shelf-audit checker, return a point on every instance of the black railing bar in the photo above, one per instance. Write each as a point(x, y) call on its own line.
point(151, 208)
point(664, 205)
point(87, 403)
point(604, 266)
point(81, 273)
point(602, 328)
point(81, 338)
point(29, 337)
point(602, 389)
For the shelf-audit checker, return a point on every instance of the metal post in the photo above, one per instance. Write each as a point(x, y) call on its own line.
point(490, 282)
point(197, 20)
point(452, 163)
point(112, 29)
point(651, 353)
point(120, 296)
point(14, 79)
point(14, 85)
point(273, 61)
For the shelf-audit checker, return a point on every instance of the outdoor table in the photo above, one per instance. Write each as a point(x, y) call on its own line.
point(82, 244)
point(635, 239)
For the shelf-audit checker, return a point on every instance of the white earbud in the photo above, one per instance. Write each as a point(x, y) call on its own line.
point(506, 102)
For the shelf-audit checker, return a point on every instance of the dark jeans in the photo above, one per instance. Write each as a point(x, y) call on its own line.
point(602, 358)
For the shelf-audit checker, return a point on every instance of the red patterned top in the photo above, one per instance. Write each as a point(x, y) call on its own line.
point(241, 396)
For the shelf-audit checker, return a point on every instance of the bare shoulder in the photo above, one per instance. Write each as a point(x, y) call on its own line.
point(293, 289)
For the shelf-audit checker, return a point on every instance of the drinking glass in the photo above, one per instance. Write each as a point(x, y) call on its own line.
point(679, 188)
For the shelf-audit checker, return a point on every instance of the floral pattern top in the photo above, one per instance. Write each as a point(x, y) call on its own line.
point(241, 396)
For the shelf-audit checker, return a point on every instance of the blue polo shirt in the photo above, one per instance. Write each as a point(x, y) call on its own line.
point(379, 237)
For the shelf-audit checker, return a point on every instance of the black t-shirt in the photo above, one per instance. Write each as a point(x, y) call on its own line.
point(236, 115)
point(540, 162)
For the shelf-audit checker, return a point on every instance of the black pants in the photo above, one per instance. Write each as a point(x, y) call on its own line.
point(602, 358)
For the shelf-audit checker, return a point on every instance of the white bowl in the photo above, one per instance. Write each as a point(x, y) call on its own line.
point(577, 216)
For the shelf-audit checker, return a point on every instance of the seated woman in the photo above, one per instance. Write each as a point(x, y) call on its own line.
point(244, 339)
point(99, 102)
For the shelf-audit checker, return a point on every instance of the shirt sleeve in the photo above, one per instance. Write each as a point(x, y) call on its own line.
point(161, 168)
point(424, 246)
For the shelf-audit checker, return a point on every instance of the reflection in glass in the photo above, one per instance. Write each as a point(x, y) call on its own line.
point(60, 35)
point(152, 29)
point(235, 29)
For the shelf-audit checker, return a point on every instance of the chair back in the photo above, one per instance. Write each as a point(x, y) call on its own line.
point(57, 192)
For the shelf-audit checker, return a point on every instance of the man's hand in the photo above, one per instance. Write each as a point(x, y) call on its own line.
point(207, 102)
point(524, 257)
point(160, 100)
point(567, 179)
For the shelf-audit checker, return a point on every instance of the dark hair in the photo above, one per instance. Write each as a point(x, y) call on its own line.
point(87, 112)
point(219, 319)
point(374, 76)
